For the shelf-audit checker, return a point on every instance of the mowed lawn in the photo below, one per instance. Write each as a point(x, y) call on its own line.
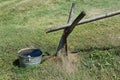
point(23, 24)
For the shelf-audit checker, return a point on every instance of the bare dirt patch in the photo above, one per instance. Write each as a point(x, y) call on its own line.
point(67, 64)
point(70, 63)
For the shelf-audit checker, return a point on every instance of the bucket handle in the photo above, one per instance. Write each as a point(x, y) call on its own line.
point(29, 58)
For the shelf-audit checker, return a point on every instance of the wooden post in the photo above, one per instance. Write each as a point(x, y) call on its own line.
point(62, 48)
point(68, 31)
point(75, 22)
point(84, 21)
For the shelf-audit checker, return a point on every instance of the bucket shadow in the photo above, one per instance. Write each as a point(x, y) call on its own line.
point(16, 63)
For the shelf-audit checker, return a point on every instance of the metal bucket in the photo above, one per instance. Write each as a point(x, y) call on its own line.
point(29, 57)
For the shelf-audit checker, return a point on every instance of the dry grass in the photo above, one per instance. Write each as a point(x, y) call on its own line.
point(69, 63)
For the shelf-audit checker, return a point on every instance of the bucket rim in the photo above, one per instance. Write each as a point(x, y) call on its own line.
point(25, 49)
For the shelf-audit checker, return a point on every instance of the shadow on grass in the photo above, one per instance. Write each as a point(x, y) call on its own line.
point(16, 63)
point(96, 48)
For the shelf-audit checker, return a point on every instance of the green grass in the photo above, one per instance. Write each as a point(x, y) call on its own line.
point(23, 24)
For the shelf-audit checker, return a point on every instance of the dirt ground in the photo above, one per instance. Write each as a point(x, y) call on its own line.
point(66, 63)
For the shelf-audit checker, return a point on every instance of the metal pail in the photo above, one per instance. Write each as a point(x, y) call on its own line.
point(29, 57)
